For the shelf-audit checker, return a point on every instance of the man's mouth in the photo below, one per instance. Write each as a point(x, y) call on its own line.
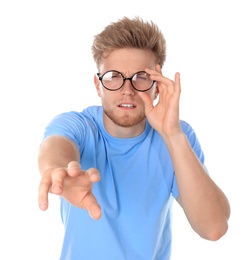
point(127, 105)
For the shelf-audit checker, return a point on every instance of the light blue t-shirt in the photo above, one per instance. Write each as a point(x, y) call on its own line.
point(135, 192)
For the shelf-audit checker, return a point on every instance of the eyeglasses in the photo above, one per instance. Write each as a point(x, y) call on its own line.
point(114, 80)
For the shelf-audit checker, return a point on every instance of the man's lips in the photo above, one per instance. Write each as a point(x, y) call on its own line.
point(127, 105)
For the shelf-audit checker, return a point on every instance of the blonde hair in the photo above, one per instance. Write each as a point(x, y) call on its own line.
point(130, 33)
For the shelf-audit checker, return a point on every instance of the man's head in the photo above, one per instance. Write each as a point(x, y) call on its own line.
point(122, 52)
point(130, 33)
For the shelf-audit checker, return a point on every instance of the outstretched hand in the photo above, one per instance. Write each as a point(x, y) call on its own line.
point(164, 116)
point(73, 184)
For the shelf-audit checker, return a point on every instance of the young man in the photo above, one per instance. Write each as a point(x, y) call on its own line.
point(118, 167)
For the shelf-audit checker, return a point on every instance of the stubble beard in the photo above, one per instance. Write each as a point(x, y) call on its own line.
point(125, 121)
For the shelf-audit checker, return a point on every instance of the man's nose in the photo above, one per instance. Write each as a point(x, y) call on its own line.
point(127, 87)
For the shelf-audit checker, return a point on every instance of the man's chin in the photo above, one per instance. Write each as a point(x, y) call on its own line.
point(126, 121)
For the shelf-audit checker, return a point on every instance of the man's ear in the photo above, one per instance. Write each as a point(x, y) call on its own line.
point(156, 92)
point(97, 85)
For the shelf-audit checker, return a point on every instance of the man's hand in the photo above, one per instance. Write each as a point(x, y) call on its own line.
point(164, 116)
point(73, 184)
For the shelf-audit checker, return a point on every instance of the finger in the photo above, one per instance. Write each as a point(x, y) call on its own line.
point(95, 211)
point(148, 102)
point(177, 82)
point(155, 71)
point(74, 169)
point(91, 204)
point(43, 193)
point(164, 84)
point(58, 177)
point(93, 174)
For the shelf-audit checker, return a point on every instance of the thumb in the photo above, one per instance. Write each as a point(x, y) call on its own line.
point(148, 102)
point(94, 209)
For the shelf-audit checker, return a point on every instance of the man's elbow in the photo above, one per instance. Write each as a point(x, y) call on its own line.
point(215, 232)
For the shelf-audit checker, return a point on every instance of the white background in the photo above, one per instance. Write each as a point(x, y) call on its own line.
point(46, 68)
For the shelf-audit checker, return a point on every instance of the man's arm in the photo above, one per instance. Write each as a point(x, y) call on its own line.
point(61, 174)
point(203, 202)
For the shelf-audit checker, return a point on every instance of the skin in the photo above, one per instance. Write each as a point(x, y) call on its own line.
point(205, 205)
point(122, 121)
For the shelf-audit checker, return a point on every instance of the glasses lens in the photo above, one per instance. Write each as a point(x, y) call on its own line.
point(112, 80)
point(141, 81)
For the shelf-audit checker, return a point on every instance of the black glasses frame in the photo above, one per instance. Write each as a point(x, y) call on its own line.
point(124, 79)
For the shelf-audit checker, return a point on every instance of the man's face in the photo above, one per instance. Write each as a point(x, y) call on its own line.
point(124, 107)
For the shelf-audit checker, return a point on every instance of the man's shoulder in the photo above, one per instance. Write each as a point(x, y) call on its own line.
point(92, 110)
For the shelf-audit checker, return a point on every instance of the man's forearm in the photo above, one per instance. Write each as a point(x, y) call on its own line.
point(56, 151)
